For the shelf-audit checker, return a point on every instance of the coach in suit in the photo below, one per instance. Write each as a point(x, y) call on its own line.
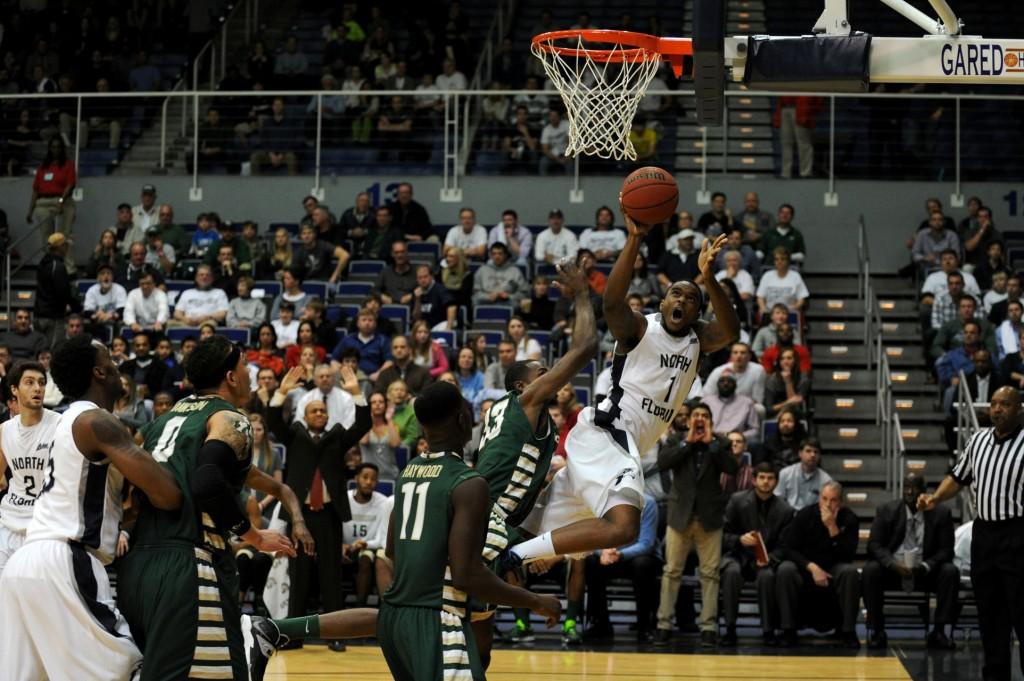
point(316, 472)
point(749, 511)
point(914, 549)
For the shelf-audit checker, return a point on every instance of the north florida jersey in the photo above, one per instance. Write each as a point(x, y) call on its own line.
point(422, 519)
point(649, 383)
point(27, 451)
point(367, 520)
point(81, 500)
point(514, 459)
point(174, 440)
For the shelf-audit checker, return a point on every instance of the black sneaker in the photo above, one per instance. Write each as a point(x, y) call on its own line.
point(769, 639)
point(600, 631)
point(789, 639)
point(518, 634)
point(878, 641)
point(708, 639)
point(730, 639)
point(849, 640)
point(662, 637)
point(261, 639)
point(337, 646)
point(937, 640)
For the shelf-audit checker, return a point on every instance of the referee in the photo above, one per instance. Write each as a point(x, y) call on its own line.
point(993, 463)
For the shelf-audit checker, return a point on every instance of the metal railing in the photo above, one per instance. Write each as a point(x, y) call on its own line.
point(966, 425)
point(10, 270)
point(886, 418)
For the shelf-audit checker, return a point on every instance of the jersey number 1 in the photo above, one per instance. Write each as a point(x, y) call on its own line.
point(671, 384)
point(409, 490)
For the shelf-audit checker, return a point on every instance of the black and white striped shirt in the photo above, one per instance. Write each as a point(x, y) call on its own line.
point(995, 468)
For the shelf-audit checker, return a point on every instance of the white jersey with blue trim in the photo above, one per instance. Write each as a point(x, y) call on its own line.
point(649, 383)
point(26, 450)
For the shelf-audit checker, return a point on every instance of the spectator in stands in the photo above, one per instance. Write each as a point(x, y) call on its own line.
point(450, 77)
point(146, 306)
point(801, 483)
point(785, 341)
point(731, 411)
point(159, 256)
point(768, 335)
point(785, 235)
point(373, 347)
point(457, 278)
point(952, 334)
point(244, 311)
point(644, 284)
point(754, 221)
point(315, 257)
point(106, 253)
point(172, 234)
point(1012, 366)
point(471, 379)
point(433, 303)
point(743, 478)
point(748, 258)
point(1008, 333)
point(983, 380)
point(357, 220)
point(695, 517)
point(206, 235)
point(291, 292)
point(569, 408)
point(526, 348)
point(734, 272)
point(556, 242)
point(228, 236)
point(265, 353)
point(958, 357)
point(977, 240)
point(277, 140)
point(291, 62)
point(304, 338)
point(426, 352)
point(281, 254)
point(124, 228)
point(55, 297)
point(468, 235)
point(403, 368)
point(787, 385)
point(644, 138)
point(992, 262)
point(554, 141)
point(679, 263)
point(936, 282)
point(378, 445)
point(105, 300)
point(795, 118)
point(144, 215)
point(396, 281)
point(718, 220)
point(324, 225)
point(929, 244)
point(997, 294)
point(395, 130)
point(819, 547)
point(518, 238)
point(22, 341)
point(604, 239)
point(377, 245)
point(749, 376)
point(286, 327)
point(910, 548)
point(202, 303)
point(215, 142)
point(341, 408)
point(499, 281)
point(385, 326)
point(403, 415)
point(100, 114)
point(130, 408)
point(410, 216)
point(638, 563)
point(400, 78)
point(1000, 310)
point(946, 305)
point(52, 208)
point(521, 140)
point(145, 370)
point(781, 285)
point(494, 376)
point(753, 518)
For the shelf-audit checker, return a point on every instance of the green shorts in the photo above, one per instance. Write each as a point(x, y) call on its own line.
point(424, 644)
point(181, 603)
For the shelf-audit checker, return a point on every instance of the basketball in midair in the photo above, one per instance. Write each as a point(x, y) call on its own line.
point(650, 195)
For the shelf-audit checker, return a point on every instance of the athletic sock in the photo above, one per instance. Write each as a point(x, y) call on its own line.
point(299, 628)
point(536, 548)
point(572, 613)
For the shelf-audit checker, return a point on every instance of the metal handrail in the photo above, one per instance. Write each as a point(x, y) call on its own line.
point(10, 270)
point(967, 424)
point(898, 454)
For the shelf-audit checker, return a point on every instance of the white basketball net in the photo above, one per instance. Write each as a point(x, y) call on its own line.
point(600, 97)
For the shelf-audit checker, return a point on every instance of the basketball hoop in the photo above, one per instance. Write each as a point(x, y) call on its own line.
point(601, 88)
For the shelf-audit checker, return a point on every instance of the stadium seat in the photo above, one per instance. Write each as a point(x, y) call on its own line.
point(355, 288)
point(315, 288)
point(292, 227)
point(364, 270)
point(398, 314)
point(269, 288)
point(492, 313)
point(446, 338)
point(401, 456)
point(84, 285)
point(583, 395)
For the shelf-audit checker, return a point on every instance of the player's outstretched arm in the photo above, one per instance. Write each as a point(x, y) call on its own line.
point(725, 330)
point(261, 482)
point(99, 434)
point(627, 326)
point(470, 511)
point(584, 341)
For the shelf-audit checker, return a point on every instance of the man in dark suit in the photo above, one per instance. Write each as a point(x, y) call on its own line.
point(316, 471)
point(749, 511)
point(912, 549)
point(696, 507)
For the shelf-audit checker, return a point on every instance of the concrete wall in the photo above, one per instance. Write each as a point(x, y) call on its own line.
point(892, 210)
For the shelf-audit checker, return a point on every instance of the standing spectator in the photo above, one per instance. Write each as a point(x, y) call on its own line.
point(144, 215)
point(494, 375)
point(696, 508)
point(782, 285)
point(751, 517)
point(340, 407)
point(468, 235)
point(202, 303)
point(785, 341)
point(819, 547)
point(795, 118)
point(604, 239)
point(754, 221)
point(457, 278)
point(432, 303)
point(518, 238)
point(749, 376)
point(396, 281)
point(146, 306)
point(106, 253)
point(22, 341)
point(378, 445)
point(377, 245)
point(427, 352)
point(768, 335)
point(787, 386)
point(51, 208)
point(277, 139)
point(554, 141)
point(373, 347)
point(55, 297)
point(499, 281)
point(315, 257)
point(977, 240)
point(929, 244)
point(410, 216)
point(801, 483)
point(105, 300)
point(291, 62)
point(785, 235)
point(556, 242)
point(718, 220)
point(403, 368)
point(244, 311)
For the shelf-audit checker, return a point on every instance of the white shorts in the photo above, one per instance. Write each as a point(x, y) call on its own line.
point(10, 541)
point(599, 474)
point(60, 619)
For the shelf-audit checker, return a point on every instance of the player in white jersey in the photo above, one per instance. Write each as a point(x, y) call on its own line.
point(24, 451)
point(596, 500)
point(60, 619)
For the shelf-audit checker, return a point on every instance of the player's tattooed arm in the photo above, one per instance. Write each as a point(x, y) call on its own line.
point(98, 434)
point(233, 429)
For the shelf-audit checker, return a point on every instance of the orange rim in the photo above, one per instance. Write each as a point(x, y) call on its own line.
point(637, 46)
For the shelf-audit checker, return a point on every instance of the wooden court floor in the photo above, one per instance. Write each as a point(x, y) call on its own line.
point(316, 663)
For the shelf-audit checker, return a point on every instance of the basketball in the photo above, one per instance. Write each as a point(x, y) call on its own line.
point(650, 195)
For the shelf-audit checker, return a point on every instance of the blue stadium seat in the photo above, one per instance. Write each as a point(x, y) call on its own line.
point(292, 227)
point(354, 288)
point(493, 337)
point(365, 267)
point(492, 313)
point(583, 395)
point(84, 284)
point(401, 456)
point(425, 247)
point(542, 337)
point(445, 337)
point(315, 288)
point(398, 314)
point(271, 288)
point(768, 429)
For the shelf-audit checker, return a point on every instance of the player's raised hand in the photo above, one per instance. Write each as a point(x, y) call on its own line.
point(349, 380)
point(571, 277)
point(271, 542)
point(632, 226)
point(292, 380)
point(708, 253)
point(549, 608)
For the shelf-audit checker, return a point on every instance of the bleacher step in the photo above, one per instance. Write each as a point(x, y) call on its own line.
point(863, 408)
point(851, 331)
point(866, 437)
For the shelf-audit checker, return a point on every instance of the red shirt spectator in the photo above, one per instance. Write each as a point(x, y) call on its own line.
point(769, 357)
point(54, 179)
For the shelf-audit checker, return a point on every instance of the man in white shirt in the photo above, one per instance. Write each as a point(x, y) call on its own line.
point(800, 483)
point(202, 303)
point(469, 235)
point(105, 300)
point(450, 78)
point(360, 536)
point(734, 271)
point(555, 242)
point(144, 215)
point(1008, 333)
point(603, 239)
point(146, 306)
point(750, 376)
point(781, 285)
point(517, 237)
point(949, 261)
point(340, 406)
point(554, 140)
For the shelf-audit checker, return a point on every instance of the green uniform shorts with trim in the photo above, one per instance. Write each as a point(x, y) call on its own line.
point(424, 644)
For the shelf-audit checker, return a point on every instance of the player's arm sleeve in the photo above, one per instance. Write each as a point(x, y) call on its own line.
point(211, 486)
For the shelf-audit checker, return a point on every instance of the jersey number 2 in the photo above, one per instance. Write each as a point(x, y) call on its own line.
point(409, 490)
point(165, 445)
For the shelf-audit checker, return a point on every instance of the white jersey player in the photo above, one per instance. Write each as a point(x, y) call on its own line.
point(61, 622)
point(596, 500)
point(24, 452)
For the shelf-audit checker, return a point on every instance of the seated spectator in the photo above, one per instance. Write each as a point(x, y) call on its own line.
point(105, 253)
point(100, 114)
point(997, 315)
point(305, 338)
point(679, 263)
point(556, 242)
point(244, 311)
point(1008, 333)
point(781, 285)
point(785, 235)
point(403, 368)
point(946, 305)
point(734, 271)
point(801, 483)
point(753, 221)
point(951, 334)
point(554, 141)
point(749, 376)
point(396, 281)
point(118, 351)
point(752, 518)
point(743, 478)
point(494, 375)
point(373, 347)
point(291, 62)
point(341, 407)
point(402, 414)
point(205, 236)
point(395, 129)
point(1012, 366)
point(457, 278)
point(520, 140)
point(977, 240)
point(410, 217)
point(596, 278)
point(818, 549)
point(162, 403)
point(539, 310)
point(266, 382)
point(202, 303)
point(146, 306)
point(229, 236)
point(997, 293)
point(450, 77)
point(936, 282)
point(357, 220)
point(730, 411)
point(471, 379)
point(499, 281)
point(784, 341)
point(639, 564)
point(226, 270)
point(426, 352)
point(516, 237)
point(277, 141)
point(134, 267)
point(380, 235)
point(990, 265)
point(324, 224)
point(146, 371)
point(315, 256)
point(265, 353)
point(281, 254)
point(787, 385)
point(105, 300)
point(286, 327)
point(468, 235)
point(372, 303)
point(160, 256)
point(216, 140)
point(718, 220)
point(172, 234)
point(603, 239)
point(371, 512)
point(526, 347)
point(958, 358)
point(326, 335)
point(644, 283)
point(350, 359)
point(431, 302)
point(768, 335)
point(291, 292)
point(929, 244)
point(644, 139)
point(378, 445)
